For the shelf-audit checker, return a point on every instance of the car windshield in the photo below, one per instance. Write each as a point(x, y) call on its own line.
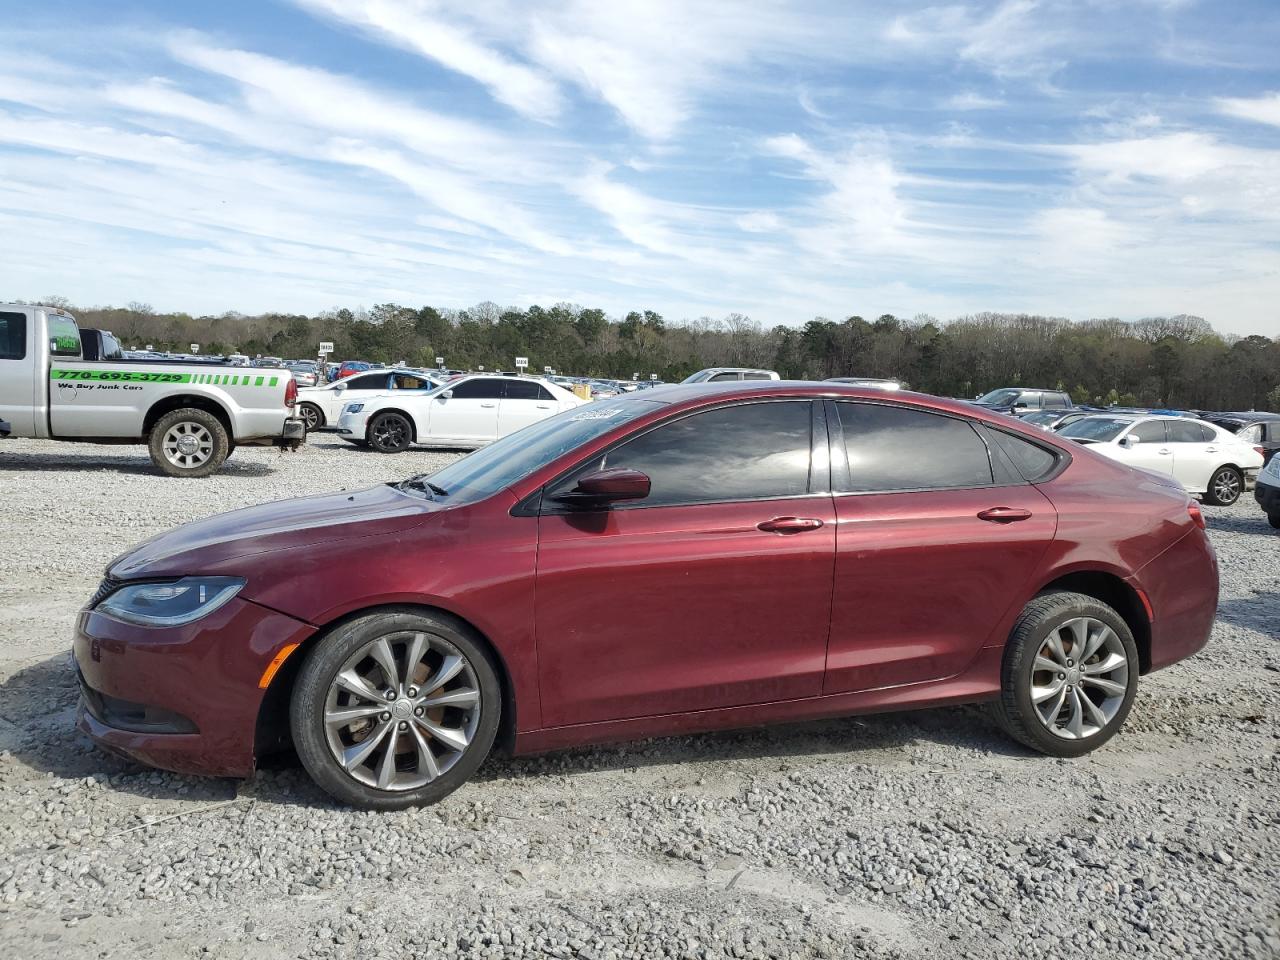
point(1000, 397)
point(1096, 429)
point(502, 463)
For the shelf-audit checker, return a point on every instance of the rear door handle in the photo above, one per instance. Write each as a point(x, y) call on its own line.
point(488, 406)
point(1165, 452)
point(1004, 514)
point(789, 524)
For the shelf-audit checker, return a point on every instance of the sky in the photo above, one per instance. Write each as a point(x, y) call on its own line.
point(784, 160)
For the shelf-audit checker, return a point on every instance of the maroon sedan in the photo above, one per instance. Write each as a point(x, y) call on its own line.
point(688, 558)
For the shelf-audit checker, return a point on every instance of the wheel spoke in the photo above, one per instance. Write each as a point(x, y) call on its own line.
point(355, 755)
point(1044, 663)
point(387, 766)
point(352, 682)
point(1075, 721)
point(426, 759)
point(1109, 664)
point(1096, 716)
point(1051, 715)
point(1112, 688)
point(1094, 640)
point(383, 655)
point(1079, 632)
point(462, 697)
point(454, 739)
point(344, 715)
point(1054, 643)
point(417, 648)
point(449, 668)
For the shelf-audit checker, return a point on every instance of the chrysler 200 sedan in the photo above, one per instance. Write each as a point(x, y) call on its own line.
point(689, 558)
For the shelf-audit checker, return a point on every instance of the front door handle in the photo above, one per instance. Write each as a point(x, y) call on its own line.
point(1165, 452)
point(488, 406)
point(789, 524)
point(1004, 514)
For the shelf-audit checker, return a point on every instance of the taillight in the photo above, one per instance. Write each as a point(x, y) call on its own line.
point(1260, 451)
point(1197, 517)
point(291, 392)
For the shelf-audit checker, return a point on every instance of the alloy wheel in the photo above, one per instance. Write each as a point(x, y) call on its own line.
point(1079, 678)
point(402, 710)
point(390, 433)
point(187, 445)
point(310, 417)
point(1226, 486)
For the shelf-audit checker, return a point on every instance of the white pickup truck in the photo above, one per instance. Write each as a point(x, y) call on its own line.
point(191, 414)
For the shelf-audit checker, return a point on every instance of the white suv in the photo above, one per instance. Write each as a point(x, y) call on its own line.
point(1205, 459)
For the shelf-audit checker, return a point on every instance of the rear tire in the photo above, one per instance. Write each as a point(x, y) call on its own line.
point(390, 433)
point(188, 443)
point(1224, 487)
point(1050, 700)
point(311, 415)
point(351, 736)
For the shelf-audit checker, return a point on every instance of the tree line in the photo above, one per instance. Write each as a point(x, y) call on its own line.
point(1177, 361)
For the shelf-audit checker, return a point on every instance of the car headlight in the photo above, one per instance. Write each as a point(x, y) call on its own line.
point(352, 408)
point(169, 604)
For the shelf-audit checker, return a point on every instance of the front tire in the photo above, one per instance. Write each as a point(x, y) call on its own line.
point(390, 433)
point(395, 709)
point(188, 443)
point(1224, 487)
point(1069, 677)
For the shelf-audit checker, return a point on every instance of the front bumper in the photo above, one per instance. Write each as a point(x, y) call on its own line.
point(353, 426)
point(198, 686)
point(1268, 497)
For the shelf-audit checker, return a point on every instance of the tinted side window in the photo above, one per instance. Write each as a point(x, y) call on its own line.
point(526, 390)
point(1033, 461)
point(719, 377)
point(1030, 398)
point(1184, 431)
point(407, 381)
point(64, 336)
point(371, 381)
point(756, 376)
point(1150, 432)
point(896, 448)
point(1056, 400)
point(13, 336)
point(753, 451)
point(481, 389)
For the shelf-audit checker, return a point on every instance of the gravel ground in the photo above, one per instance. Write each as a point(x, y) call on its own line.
point(901, 836)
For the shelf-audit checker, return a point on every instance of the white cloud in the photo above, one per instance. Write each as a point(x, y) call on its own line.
point(1265, 109)
point(969, 100)
point(416, 27)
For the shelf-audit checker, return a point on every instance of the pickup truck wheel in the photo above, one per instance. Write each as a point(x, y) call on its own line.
point(390, 433)
point(312, 416)
point(188, 443)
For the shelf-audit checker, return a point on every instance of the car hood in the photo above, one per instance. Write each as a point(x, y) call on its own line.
point(305, 522)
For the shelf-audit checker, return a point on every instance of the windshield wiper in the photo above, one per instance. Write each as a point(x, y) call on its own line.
point(423, 485)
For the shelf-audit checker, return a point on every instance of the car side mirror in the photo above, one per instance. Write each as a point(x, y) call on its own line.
point(339, 386)
point(445, 394)
point(608, 486)
point(1130, 441)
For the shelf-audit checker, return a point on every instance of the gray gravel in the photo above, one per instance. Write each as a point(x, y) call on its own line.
point(910, 835)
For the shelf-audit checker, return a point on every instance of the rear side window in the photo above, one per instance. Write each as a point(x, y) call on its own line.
point(481, 389)
point(1152, 431)
point(406, 381)
point(720, 377)
point(64, 336)
point(1186, 431)
point(752, 451)
point(1033, 461)
point(13, 336)
point(756, 376)
point(897, 448)
point(526, 390)
point(371, 381)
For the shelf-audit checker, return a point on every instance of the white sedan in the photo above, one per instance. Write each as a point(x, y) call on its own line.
point(1205, 459)
point(321, 406)
point(467, 412)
